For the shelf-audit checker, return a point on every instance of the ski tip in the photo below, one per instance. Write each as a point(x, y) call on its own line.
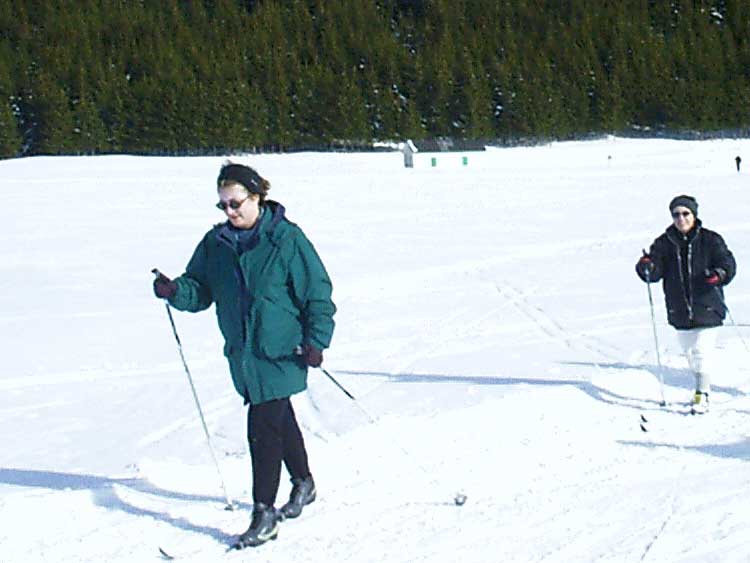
point(643, 428)
point(643, 419)
point(165, 555)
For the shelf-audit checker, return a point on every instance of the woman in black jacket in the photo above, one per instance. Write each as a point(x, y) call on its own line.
point(694, 265)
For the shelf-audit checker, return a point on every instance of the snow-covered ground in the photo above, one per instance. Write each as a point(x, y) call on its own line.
point(490, 325)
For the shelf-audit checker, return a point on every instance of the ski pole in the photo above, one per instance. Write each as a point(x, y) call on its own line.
point(230, 505)
point(337, 384)
point(731, 319)
point(656, 338)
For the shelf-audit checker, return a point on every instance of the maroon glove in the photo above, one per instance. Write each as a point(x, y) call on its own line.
point(312, 356)
point(164, 288)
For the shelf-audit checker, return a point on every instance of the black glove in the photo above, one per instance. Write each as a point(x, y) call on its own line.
point(164, 288)
point(312, 356)
point(645, 268)
point(715, 277)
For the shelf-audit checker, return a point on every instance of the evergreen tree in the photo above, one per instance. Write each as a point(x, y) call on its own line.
point(10, 139)
point(192, 76)
point(479, 105)
point(52, 125)
point(88, 128)
point(90, 134)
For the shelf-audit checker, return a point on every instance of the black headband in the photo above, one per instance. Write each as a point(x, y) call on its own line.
point(241, 174)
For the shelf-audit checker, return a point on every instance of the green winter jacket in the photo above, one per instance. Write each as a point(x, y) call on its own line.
point(270, 299)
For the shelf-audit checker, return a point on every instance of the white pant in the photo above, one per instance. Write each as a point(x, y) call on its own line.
point(699, 347)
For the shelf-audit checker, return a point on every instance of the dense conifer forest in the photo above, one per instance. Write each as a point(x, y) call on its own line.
point(202, 76)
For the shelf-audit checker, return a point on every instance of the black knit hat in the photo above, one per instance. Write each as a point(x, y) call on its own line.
point(684, 201)
point(241, 174)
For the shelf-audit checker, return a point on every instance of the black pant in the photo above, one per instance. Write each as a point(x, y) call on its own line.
point(274, 436)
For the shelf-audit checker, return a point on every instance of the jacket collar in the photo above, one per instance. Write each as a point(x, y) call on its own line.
point(242, 240)
point(678, 237)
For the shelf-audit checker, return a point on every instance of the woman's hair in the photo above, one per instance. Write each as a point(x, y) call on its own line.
point(238, 174)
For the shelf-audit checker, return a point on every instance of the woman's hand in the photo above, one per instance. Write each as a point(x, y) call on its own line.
point(312, 356)
point(164, 288)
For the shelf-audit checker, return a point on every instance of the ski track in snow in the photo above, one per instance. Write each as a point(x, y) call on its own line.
point(490, 326)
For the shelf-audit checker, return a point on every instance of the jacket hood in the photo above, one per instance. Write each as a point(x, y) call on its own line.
point(278, 212)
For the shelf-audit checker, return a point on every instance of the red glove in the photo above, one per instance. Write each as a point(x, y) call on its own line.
point(713, 277)
point(645, 267)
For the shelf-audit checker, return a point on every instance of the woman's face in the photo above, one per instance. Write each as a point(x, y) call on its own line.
point(241, 207)
point(683, 219)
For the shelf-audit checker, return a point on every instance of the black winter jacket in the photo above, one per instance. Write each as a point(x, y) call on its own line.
point(682, 262)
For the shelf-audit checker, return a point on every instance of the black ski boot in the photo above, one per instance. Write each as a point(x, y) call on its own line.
point(303, 493)
point(263, 527)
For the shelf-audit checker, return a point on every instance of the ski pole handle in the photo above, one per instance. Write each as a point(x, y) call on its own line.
point(164, 288)
point(647, 270)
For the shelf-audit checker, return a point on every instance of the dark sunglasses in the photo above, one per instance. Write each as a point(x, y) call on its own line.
point(233, 203)
point(681, 214)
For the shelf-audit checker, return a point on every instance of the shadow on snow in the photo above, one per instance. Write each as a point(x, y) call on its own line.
point(737, 450)
point(675, 377)
point(672, 376)
point(104, 493)
point(597, 393)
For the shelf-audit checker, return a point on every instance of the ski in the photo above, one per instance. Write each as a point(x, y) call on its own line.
point(239, 545)
point(167, 556)
point(643, 422)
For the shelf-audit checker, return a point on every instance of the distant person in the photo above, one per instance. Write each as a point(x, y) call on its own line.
point(694, 265)
point(738, 160)
point(409, 149)
point(274, 308)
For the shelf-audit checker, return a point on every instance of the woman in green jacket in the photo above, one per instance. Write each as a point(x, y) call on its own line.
point(274, 309)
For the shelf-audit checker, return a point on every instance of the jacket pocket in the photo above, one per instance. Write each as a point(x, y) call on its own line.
point(707, 315)
point(233, 354)
point(277, 330)
point(715, 313)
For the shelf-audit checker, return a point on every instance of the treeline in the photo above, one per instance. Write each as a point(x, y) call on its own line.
point(96, 76)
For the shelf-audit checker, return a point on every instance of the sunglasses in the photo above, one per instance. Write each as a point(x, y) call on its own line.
point(677, 214)
point(233, 203)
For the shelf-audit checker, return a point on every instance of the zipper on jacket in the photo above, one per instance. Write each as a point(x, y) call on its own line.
point(678, 250)
point(242, 300)
point(243, 304)
point(690, 278)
